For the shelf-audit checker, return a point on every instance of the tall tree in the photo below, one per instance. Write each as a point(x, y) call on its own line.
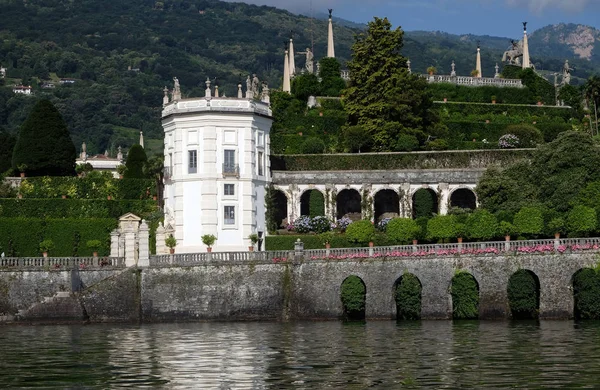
point(332, 83)
point(44, 145)
point(136, 161)
point(383, 97)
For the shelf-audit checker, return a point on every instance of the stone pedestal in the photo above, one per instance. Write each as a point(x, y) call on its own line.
point(144, 245)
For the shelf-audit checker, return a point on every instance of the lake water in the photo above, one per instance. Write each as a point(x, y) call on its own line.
point(299, 355)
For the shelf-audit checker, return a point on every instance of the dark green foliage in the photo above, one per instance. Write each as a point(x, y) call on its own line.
point(571, 96)
point(460, 93)
point(74, 208)
point(385, 161)
point(406, 143)
point(353, 295)
point(408, 298)
point(331, 82)
point(442, 228)
point(529, 221)
point(7, 144)
point(586, 290)
point(529, 136)
point(423, 204)
point(23, 235)
point(92, 186)
point(402, 231)
point(539, 86)
point(383, 96)
point(581, 221)
point(481, 225)
point(270, 211)
point(44, 144)
point(523, 295)
point(316, 204)
point(286, 242)
point(357, 139)
point(360, 232)
point(136, 160)
point(506, 190)
point(465, 296)
point(305, 85)
point(313, 145)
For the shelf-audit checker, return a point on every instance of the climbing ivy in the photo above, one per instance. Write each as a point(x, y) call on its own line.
point(523, 295)
point(586, 290)
point(465, 296)
point(408, 298)
point(354, 298)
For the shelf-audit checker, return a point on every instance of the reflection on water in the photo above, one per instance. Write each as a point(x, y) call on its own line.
point(303, 355)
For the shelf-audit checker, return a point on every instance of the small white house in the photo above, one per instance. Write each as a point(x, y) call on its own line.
point(216, 170)
point(22, 89)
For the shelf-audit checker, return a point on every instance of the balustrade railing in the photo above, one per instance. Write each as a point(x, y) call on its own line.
point(62, 262)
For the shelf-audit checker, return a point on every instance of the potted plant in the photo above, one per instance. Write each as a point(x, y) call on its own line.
point(461, 231)
point(94, 245)
point(431, 70)
point(209, 240)
point(46, 246)
point(22, 168)
point(121, 170)
point(507, 229)
point(254, 240)
point(474, 73)
point(493, 99)
point(539, 100)
point(171, 243)
point(326, 238)
point(557, 225)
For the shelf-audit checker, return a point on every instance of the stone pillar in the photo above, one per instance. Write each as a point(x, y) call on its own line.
point(161, 247)
point(114, 244)
point(405, 201)
point(526, 61)
point(144, 245)
point(286, 74)
point(444, 198)
point(130, 247)
point(298, 251)
point(478, 62)
point(330, 44)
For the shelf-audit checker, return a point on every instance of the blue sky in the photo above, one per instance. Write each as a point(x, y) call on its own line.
point(481, 17)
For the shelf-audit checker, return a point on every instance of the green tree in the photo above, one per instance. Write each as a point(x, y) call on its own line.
point(305, 85)
point(581, 221)
point(402, 230)
point(313, 145)
point(360, 232)
point(383, 96)
point(44, 144)
point(482, 225)
point(529, 221)
point(357, 139)
point(332, 83)
point(136, 161)
point(155, 169)
point(442, 227)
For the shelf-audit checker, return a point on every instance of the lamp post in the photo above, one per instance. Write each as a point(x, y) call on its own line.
point(260, 240)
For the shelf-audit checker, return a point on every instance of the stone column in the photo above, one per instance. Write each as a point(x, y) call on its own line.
point(144, 245)
point(161, 247)
point(130, 247)
point(114, 244)
point(444, 198)
point(405, 201)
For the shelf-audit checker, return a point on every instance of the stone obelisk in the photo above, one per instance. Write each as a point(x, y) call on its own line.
point(292, 58)
point(286, 73)
point(526, 62)
point(330, 45)
point(478, 63)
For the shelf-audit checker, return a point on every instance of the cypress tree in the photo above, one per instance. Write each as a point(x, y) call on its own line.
point(44, 144)
point(136, 160)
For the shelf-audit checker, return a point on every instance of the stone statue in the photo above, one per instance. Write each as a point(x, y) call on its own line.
point(255, 84)
point(265, 97)
point(512, 55)
point(453, 73)
point(83, 154)
point(248, 84)
point(176, 89)
point(310, 60)
point(566, 79)
point(330, 12)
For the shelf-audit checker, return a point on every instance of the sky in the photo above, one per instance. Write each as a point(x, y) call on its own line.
point(481, 17)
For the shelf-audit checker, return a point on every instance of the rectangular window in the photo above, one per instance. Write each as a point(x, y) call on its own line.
point(229, 189)
point(261, 168)
point(229, 215)
point(192, 161)
point(229, 165)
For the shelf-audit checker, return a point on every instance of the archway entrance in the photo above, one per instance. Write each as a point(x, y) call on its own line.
point(407, 294)
point(354, 297)
point(524, 295)
point(425, 203)
point(463, 198)
point(348, 203)
point(387, 204)
point(280, 205)
point(465, 296)
point(312, 203)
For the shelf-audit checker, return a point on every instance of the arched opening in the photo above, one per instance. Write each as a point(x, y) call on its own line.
point(586, 294)
point(387, 204)
point(280, 204)
point(463, 198)
point(354, 297)
point(348, 204)
point(465, 296)
point(425, 203)
point(312, 203)
point(407, 294)
point(524, 295)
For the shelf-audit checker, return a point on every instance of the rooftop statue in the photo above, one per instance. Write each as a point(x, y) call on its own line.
point(514, 53)
point(255, 84)
point(310, 60)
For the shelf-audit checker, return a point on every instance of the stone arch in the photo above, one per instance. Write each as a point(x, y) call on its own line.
point(407, 296)
point(418, 209)
point(387, 204)
point(310, 200)
point(464, 291)
point(523, 291)
point(586, 292)
point(280, 201)
point(348, 202)
point(353, 294)
point(464, 198)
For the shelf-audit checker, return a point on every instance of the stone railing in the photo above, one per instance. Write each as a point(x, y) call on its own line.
point(414, 251)
point(10, 263)
point(474, 81)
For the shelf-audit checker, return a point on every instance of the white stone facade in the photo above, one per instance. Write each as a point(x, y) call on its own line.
point(216, 170)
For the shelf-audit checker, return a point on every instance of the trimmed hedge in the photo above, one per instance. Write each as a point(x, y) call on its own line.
point(523, 295)
point(388, 161)
point(22, 236)
point(74, 208)
point(465, 296)
point(462, 109)
point(92, 187)
point(482, 94)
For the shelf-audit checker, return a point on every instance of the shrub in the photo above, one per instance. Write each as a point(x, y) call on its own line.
point(403, 230)
point(586, 290)
point(481, 225)
point(301, 224)
point(320, 224)
point(529, 221)
point(361, 232)
point(313, 145)
point(508, 141)
point(406, 143)
point(408, 298)
point(581, 221)
point(529, 136)
point(465, 296)
point(353, 295)
point(208, 240)
point(441, 227)
point(523, 295)
point(94, 245)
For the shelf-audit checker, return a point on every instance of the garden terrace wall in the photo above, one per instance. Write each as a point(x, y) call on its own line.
point(93, 187)
point(474, 159)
